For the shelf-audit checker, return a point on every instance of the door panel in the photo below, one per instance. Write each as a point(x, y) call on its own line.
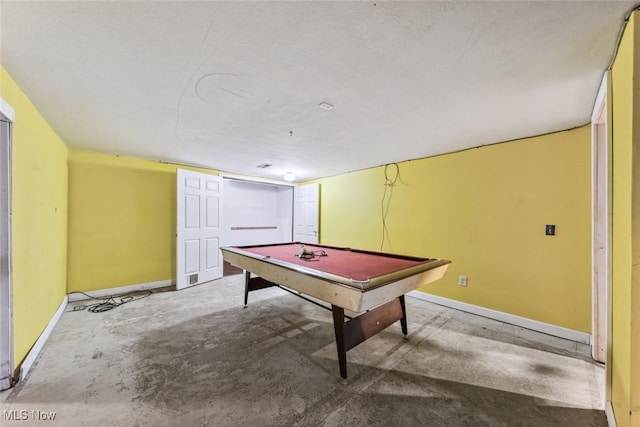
point(192, 212)
point(213, 212)
point(213, 246)
point(190, 182)
point(199, 227)
point(192, 256)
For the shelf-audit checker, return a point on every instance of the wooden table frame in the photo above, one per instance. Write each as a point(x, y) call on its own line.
point(379, 301)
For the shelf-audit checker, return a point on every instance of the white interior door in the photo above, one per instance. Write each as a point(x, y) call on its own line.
point(6, 306)
point(199, 224)
point(306, 210)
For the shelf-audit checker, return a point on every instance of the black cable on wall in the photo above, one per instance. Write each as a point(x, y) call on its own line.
point(390, 179)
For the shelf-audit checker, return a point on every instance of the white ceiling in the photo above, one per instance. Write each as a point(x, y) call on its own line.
point(231, 85)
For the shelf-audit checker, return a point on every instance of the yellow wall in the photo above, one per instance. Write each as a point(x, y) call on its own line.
point(486, 210)
point(39, 221)
point(625, 366)
point(635, 235)
point(122, 221)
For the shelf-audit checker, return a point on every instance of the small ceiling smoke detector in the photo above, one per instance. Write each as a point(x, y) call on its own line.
point(264, 166)
point(289, 177)
point(325, 106)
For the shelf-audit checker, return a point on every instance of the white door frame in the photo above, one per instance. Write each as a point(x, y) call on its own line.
point(601, 172)
point(6, 305)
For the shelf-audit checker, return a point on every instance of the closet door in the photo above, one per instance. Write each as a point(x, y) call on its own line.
point(199, 228)
point(306, 210)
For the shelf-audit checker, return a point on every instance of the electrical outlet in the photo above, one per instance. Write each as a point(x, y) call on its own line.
point(462, 280)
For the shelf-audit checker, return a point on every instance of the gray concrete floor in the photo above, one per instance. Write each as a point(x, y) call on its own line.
point(198, 358)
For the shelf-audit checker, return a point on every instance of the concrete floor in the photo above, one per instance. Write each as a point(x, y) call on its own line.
point(198, 358)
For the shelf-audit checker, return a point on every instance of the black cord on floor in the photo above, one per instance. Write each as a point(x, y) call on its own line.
point(111, 302)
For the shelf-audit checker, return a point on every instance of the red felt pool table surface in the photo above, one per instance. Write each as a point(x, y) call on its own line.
point(351, 264)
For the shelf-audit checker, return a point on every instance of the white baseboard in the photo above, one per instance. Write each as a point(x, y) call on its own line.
point(611, 417)
point(546, 328)
point(102, 293)
point(44, 336)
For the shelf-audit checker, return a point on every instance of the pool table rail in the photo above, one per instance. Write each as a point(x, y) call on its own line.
point(337, 290)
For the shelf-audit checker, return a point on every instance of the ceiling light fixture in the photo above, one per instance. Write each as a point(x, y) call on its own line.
point(289, 177)
point(325, 106)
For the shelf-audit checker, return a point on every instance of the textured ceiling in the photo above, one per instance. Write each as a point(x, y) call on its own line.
point(232, 85)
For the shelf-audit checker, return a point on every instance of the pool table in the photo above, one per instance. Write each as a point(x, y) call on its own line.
point(371, 284)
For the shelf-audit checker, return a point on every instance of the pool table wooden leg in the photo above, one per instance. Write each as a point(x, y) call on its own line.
point(403, 321)
point(338, 325)
point(253, 284)
point(357, 330)
point(247, 276)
